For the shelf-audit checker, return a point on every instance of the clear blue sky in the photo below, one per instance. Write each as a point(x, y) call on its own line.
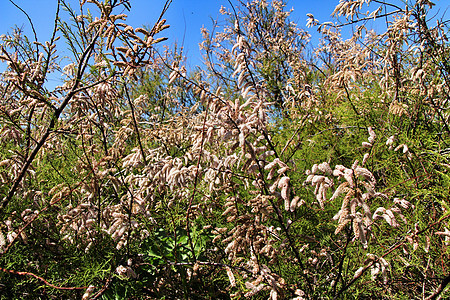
point(186, 17)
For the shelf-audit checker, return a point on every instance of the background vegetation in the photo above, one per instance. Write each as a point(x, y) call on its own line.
point(272, 171)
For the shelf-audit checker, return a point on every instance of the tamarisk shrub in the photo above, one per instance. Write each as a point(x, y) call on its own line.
point(136, 179)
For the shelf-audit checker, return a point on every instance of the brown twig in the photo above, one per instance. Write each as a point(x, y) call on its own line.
point(42, 279)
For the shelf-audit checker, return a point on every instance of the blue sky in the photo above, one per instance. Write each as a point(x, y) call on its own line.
point(186, 17)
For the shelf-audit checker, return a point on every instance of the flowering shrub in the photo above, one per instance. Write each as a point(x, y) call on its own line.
point(265, 174)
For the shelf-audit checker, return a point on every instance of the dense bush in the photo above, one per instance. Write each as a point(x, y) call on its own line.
point(269, 172)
